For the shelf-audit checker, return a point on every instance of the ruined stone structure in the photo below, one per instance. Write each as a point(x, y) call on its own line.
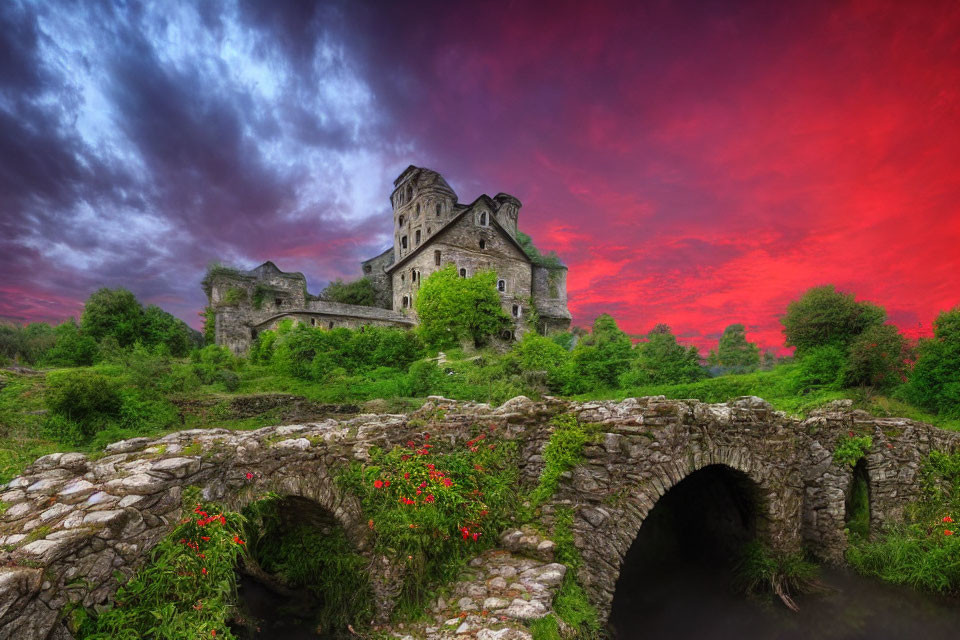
point(431, 230)
point(96, 517)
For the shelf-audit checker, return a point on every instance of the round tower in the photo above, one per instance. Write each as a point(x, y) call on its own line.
point(422, 203)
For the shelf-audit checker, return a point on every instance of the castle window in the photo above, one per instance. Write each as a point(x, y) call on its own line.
point(367, 268)
point(429, 231)
point(439, 209)
point(406, 302)
point(483, 219)
point(403, 242)
point(463, 273)
point(501, 285)
point(436, 258)
point(278, 302)
point(418, 208)
point(403, 277)
point(483, 243)
point(313, 322)
point(417, 236)
point(400, 221)
point(330, 325)
point(516, 311)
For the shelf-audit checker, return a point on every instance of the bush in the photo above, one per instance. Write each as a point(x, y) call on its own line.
point(89, 399)
point(452, 309)
point(734, 354)
point(850, 449)
point(935, 380)
point(229, 380)
point(113, 312)
point(877, 358)
point(661, 360)
point(188, 589)
point(71, 348)
point(600, 358)
point(824, 316)
point(359, 292)
point(821, 368)
point(537, 353)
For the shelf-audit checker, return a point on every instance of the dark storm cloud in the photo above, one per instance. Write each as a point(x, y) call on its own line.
point(139, 143)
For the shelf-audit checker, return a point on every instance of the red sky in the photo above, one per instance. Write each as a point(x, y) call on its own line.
point(698, 164)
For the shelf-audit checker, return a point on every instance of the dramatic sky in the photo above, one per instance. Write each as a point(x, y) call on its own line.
point(694, 163)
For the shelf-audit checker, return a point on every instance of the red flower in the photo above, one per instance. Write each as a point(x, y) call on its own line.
point(203, 571)
point(223, 520)
point(429, 498)
point(249, 476)
point(386, 483)
point(426, 436)
point(475, 536)
point(238, 540)
point(431, 467)
point(947, 519)
point(447, 482)
point(850, 433)
point(419, 492)
point(404, 458)
point(947, 532)
point(411, 444)
point(370, 523)
point(406, 476)
point(205, 538)
point(213, 633)
point(378, 484)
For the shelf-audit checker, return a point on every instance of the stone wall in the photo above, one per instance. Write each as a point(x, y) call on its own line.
point(375, 269)
point(72, 522)
point(549, 287)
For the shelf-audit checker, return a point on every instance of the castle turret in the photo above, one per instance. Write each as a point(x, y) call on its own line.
point(508, 212)
point(422, 203)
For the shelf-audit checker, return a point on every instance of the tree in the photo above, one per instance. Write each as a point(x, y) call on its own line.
point(113, 312)
point(877, 358)
point(160, 327)
point(825, 316)
point(661, 360)
point(601, 357)
point(452, 309)
point(550, 259)
point(935, 380)
point(734, 352)
point(71, 347)
point(359, 292)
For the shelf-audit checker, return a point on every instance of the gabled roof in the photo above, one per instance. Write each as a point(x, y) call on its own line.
point(491, 204)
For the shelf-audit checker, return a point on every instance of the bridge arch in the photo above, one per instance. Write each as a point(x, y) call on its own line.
point(605, 533)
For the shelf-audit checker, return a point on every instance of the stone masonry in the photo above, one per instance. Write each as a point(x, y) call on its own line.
point(431, 231)
point(73, 523)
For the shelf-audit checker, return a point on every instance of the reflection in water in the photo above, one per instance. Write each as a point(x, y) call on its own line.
point(268, 615)
point(676, 580)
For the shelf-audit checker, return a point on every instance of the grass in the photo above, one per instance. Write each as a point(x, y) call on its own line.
point(563, 452)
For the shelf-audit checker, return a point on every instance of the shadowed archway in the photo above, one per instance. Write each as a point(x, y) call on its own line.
point(690, 541)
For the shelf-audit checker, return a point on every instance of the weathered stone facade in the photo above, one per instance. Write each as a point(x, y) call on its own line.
point(71, 522)
point(431, 230)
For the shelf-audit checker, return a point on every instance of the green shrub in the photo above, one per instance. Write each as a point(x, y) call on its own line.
point(762, 570)
point(563, 452)
point(113, 312)
point(850, 449)
point(435, 507)
point(452, 309)
point(229, 380)
point(824, 316)
point(359, 292)
point(600, 358)
point(188, 590)
point(877, 358)
point(821, 368)
point(71, 348)
point(661, 360)
point(935, 380)
point(89, 399)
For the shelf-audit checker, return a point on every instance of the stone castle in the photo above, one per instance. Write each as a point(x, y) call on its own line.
point(431, 230)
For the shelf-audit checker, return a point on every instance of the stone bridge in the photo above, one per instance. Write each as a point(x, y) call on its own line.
point(73, 523)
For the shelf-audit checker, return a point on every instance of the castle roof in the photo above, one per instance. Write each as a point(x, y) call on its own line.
point(423, 178)
point(485, 199)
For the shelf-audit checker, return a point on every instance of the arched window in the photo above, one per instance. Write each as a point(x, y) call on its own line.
point(516, 311)
point(400, 221)
point(403, 277)
point(403, 242)
point(417, 236)
point(428, 231)
point(483, 243)
point(313, 322)
point(418, 208)
point(483, 219)
point(436, 257)
point(463, 273)
point(406, 302)
point(439, 209)
point(501, 285)
point(330, 325)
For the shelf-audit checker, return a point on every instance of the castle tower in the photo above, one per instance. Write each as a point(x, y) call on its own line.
point(422, 203)
point(508, 212)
